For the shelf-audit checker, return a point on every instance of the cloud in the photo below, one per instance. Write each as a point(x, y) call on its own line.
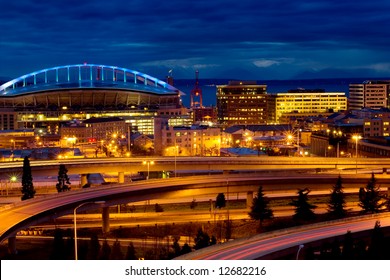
point(265, 63)
point(211, 35)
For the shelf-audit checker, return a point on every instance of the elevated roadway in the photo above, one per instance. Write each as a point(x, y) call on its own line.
point(195, 164)
point(269, 245)
point(32, 212)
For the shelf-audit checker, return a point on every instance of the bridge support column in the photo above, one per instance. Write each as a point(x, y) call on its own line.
point(12, 245)
point(388, 192)
point(249, 200)
point(121, 177)
point(106, 220)
point(83, 179)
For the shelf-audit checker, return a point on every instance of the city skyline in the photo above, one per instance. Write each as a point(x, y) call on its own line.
point(229, 39)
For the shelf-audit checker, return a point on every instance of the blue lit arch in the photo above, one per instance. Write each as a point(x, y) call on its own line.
point(85, 76)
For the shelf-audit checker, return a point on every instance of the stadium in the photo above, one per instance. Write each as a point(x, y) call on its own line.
point(45, 98)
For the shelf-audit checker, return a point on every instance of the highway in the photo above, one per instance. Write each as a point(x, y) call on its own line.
point(195, 164)
point(18, 216)
point(259, 246)
point(21, 215)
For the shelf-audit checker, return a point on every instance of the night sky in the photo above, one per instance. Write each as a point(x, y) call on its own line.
point(260, 39)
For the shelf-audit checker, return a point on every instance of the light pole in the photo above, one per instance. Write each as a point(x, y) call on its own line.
point(13, 149)
point(148, 163)
point(356, 138)
point(74, 220)
point(299, 249)
point(175, 158)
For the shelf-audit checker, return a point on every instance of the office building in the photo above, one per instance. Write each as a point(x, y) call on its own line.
point(295, 104)
point(369, 94)
point(241, 102)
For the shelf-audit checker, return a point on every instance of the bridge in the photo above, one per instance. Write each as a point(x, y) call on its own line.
point(41, 209)
point(210, 165)
point(287, 241)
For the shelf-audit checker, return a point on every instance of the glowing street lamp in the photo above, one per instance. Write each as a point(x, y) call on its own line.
point(148, 163)
point(299, 250)
point(356, 138)
point(176, 149)
point(13, 143)
point(74, 220)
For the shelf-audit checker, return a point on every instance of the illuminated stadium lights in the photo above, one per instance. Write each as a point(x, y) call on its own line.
point(66, 74)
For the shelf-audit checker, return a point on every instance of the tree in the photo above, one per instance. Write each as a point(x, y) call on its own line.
point(116, 251)
point(28, 190)
point(303, 209)
point(336, 205)
point(348, 247)
point(58, 252)
point(377, 250)
point(260, 209)
point(158, 208)
point(370, 197)
point(220, 201)
point(202, 240)
point(63, 179)
point(94, 247)
point(105, 251)
point(130, 254)
point(185, 249)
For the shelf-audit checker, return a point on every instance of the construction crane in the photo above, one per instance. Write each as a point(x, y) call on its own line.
point(196, 93)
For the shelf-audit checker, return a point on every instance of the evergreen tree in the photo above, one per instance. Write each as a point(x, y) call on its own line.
point(260, 209)
point(202, 240)
point(303, 209)
point(158, 208)
point(58, 252)
point(63, 179)
point(370, 197)
point(176, 247)
point(336, 205)
point(185, 249)
point(335, 250)
point(348, 247)
point(220, 201)
point(130, 254)
point(83, 248)
point(105, 251)
point(94, 246)
point(28, 190)
point(376, 250)
point(116, 251)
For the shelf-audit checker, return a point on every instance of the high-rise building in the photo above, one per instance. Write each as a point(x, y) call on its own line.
point(241, 102)
point(369, 94)
point(303, 103)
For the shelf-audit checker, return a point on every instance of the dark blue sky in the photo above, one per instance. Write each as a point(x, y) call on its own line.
point(259, 39)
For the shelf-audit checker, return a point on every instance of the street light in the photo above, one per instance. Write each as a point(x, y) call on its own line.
point(148, 163)
point(13, 149)
point(299, 249)
point(74, 220)
point(176, 148)
point(356, 138)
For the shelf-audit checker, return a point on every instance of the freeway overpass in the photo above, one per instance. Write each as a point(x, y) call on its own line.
point(121, 166)
point(31, 212)
point(286, 241)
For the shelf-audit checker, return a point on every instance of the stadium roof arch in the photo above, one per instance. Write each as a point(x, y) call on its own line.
point(87, 85)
